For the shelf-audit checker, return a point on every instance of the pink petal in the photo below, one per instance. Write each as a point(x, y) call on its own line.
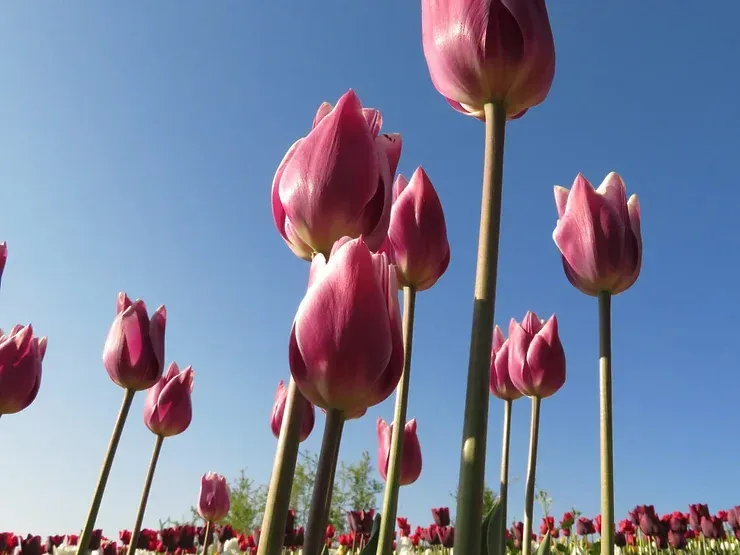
point(399, 185)
point(498, 339)
point(123, 303)
point(531, 323)
point(392, 143)
point(323, 111)
point(374, 120)
point(561, 199)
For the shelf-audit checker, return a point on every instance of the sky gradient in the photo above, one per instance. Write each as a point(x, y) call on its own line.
point(138, 142)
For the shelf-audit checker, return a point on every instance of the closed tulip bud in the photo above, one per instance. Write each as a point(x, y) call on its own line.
point(134, 350)
point(336, 181)
point(168, 408)
point(411, 458)
point(480, 51)
point(95, 539)
point(110, 548)
point(649, 522)
point(417, 236)
point(501, 385)
point(696, 512)
point(585, 526)
point(31, 545)
point(536, 356)
point(620, 540)
point(441, 516)
point(598, 234)
point(124, 536)
point(446, 535)
point(711, 527)
point(276, 420)
point(346, 349)
point(213, 501)
point(21, 355)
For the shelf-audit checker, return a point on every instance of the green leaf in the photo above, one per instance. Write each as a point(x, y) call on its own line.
point(372, 543)
point(595, 548)
point(493, 527)
point(544, 548)
point(561, 547)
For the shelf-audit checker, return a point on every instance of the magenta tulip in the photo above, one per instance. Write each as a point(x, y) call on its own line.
point(337, 180)
point(168, 408)
point(346, 349)
point(134, 350)
point(501, 385)
point(3, 257)
point(276, 420)
point(213, 500)
point(21, 355)
point(481, 51)
point(411, 458)
point(417, 236)
point(598, 234)
point(536, 356)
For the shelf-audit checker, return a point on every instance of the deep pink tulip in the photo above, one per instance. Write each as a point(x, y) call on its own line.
point(21, 355)
point(134, 350)
point(536, 356)
point(168, 408)
point(276, 420)
point(337, 180)
point(501, 385)
point(346, 348)
point(213, 500)
point(3, 257)
point(411, 458)
point(479, 51)
point(598, 234)
point(417, 236)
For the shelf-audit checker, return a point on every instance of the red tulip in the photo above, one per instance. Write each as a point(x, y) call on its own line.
point(134, 350)
point(168, 408)
point(479, 51)
point(411, 458)
point(276, 420)
point(336, 181)
point(21, 355)
point(213, 500)
point(417, 236)
point(536, 356)
point(501, 385)
point(598, 234)
point(346, 349)
point(441, 516)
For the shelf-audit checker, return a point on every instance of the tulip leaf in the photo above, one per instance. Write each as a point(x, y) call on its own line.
point(595, 548)
point(372, 543)
point(544, 547)
point(493, 527)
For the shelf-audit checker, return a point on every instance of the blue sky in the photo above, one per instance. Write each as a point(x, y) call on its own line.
point(137, 147)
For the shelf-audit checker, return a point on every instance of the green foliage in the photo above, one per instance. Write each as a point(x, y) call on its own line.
point(489, 499)
point(493, 527)
point(544, 547)
point(372, 543)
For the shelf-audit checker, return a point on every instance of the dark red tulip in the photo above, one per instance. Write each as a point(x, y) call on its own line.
point(585, 526)
point(186, 538)
point(72, 539)
point(711, 527)
point(169, 537)
point(567, 521)
point(678, 523)
point(361, 522)
point(446, 535)
point(31, 545)
point(548, 523)
point(649, 522)
point(110, 548)
point(95, 539)
point(124, 536)
point(620, 540)
point(441, 516)
point(227, 532)
point(330, 531)
point(626, 526)
point(518, 531)
point(696, 512)
point(676, 540)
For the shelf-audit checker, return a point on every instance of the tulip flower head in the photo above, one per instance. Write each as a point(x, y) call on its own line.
point(441, 516)
point(481, 51)
point(598, 234)
point(213, 501)
point(276, 420)
point(411, 457)
point(501, 385)
point(536, 356)
point(21, 355)
point(168, 408)
point(337, 180)
point(346, 349)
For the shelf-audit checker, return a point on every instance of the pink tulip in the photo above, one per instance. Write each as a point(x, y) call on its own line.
point(213, 501)
point(501, 385)
point(3, 257)
point(21, 355)
point(346, 349)
point(598, 234)
point(536, 356)
point(337, 180)
point(480, 51)
point(168, 408)
point(411, 458)
point(134, 350)
point(276, 421)
point(417, 236)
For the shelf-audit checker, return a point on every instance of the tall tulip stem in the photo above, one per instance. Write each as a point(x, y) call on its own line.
point(504, 480)
point(316, 526)
point(283, 469)
point(473, 457)
point(393, 476)
point(207, 537)
point(534, 433)
point(145, 496)
point(605, 420)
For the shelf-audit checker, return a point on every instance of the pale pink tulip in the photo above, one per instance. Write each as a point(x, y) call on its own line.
point(168, 408)
point(276, 420)
point(21, 355)
point(536, 356)
point(213, 500)
point(411, 458)
point(501, 385)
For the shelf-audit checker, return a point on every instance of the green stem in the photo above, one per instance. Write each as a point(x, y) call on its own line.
point(504, 481)
point(534, 433)
point(316, 526)
point(473, 457)
point(207, 537)
point(330, 490)
point(283, 469)
point(390, 499)
point(605, 413)
point(92, 516)
point(145, 496)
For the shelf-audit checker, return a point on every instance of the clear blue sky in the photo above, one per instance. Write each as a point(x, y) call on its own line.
point(137, 147)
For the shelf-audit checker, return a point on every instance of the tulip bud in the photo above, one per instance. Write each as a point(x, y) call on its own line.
point(336, 181)
point(31, 545)
point(276, 420)
point(598, 234)
point(446, 535)
point(711, 527)
point(21, 355)
point(124, 536)
point(480, 51)
point(676, 540)
point(417, 236)
point(441, 516)
point(411, 457)
point(213, 501)
point(536, 356)
point(696, 513)
point(168, 408)
point(110, 548)
point(501, 385)
point(134, 350)
point(346, 348)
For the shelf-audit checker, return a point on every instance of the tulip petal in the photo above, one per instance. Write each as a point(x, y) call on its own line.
point(561, 199)
point(374, 120)
point(498, 339)
point(546, 360)
point(322, 112)
point(392, 143)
